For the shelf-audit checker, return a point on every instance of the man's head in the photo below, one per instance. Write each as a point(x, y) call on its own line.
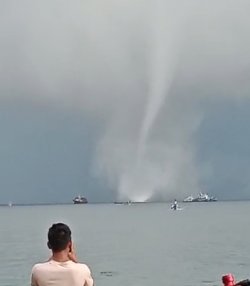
point(59, 237)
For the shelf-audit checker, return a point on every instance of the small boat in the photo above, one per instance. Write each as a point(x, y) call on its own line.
point(175, 206)
point(123, 203)
point(80, 200)
point(188, 199)
point(10, 204)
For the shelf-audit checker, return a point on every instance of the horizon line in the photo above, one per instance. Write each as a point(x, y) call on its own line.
point(111, 202)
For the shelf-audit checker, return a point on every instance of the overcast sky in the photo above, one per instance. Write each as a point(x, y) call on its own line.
point(86, 86)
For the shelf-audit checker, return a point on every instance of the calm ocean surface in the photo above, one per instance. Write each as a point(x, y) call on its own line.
point(135, 245)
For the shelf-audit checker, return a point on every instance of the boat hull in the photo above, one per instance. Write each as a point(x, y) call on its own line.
point(201, 201)
point(122, 203)
point(80, 203)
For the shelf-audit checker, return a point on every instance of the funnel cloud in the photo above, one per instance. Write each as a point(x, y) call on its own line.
point(153, 80)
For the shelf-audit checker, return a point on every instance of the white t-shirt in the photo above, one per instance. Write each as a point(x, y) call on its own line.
point(55, 273)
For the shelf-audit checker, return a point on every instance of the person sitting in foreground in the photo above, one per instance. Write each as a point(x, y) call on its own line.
point(62, 269)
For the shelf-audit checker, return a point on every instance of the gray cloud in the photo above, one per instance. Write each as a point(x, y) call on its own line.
point(145, 74)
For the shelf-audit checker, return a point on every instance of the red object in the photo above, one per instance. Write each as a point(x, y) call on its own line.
point(228, 280)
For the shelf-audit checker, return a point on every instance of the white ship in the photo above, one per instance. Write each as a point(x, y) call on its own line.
point(200, 198)
point(188, 199)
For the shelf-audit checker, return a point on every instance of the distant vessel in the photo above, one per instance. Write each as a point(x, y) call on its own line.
point(80, 200)
point(175, 206)
point(200, 198)
point(10, 204)
point(188, 199)
point(123, 203)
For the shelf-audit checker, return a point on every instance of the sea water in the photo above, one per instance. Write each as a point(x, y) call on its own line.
point(141, 244)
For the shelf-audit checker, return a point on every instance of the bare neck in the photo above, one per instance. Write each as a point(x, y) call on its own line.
point(60, 256)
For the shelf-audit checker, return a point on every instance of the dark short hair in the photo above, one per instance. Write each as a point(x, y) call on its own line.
point(59, 236)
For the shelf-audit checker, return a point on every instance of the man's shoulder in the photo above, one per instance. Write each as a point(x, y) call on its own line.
point(83, 267)
point(38, 266)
